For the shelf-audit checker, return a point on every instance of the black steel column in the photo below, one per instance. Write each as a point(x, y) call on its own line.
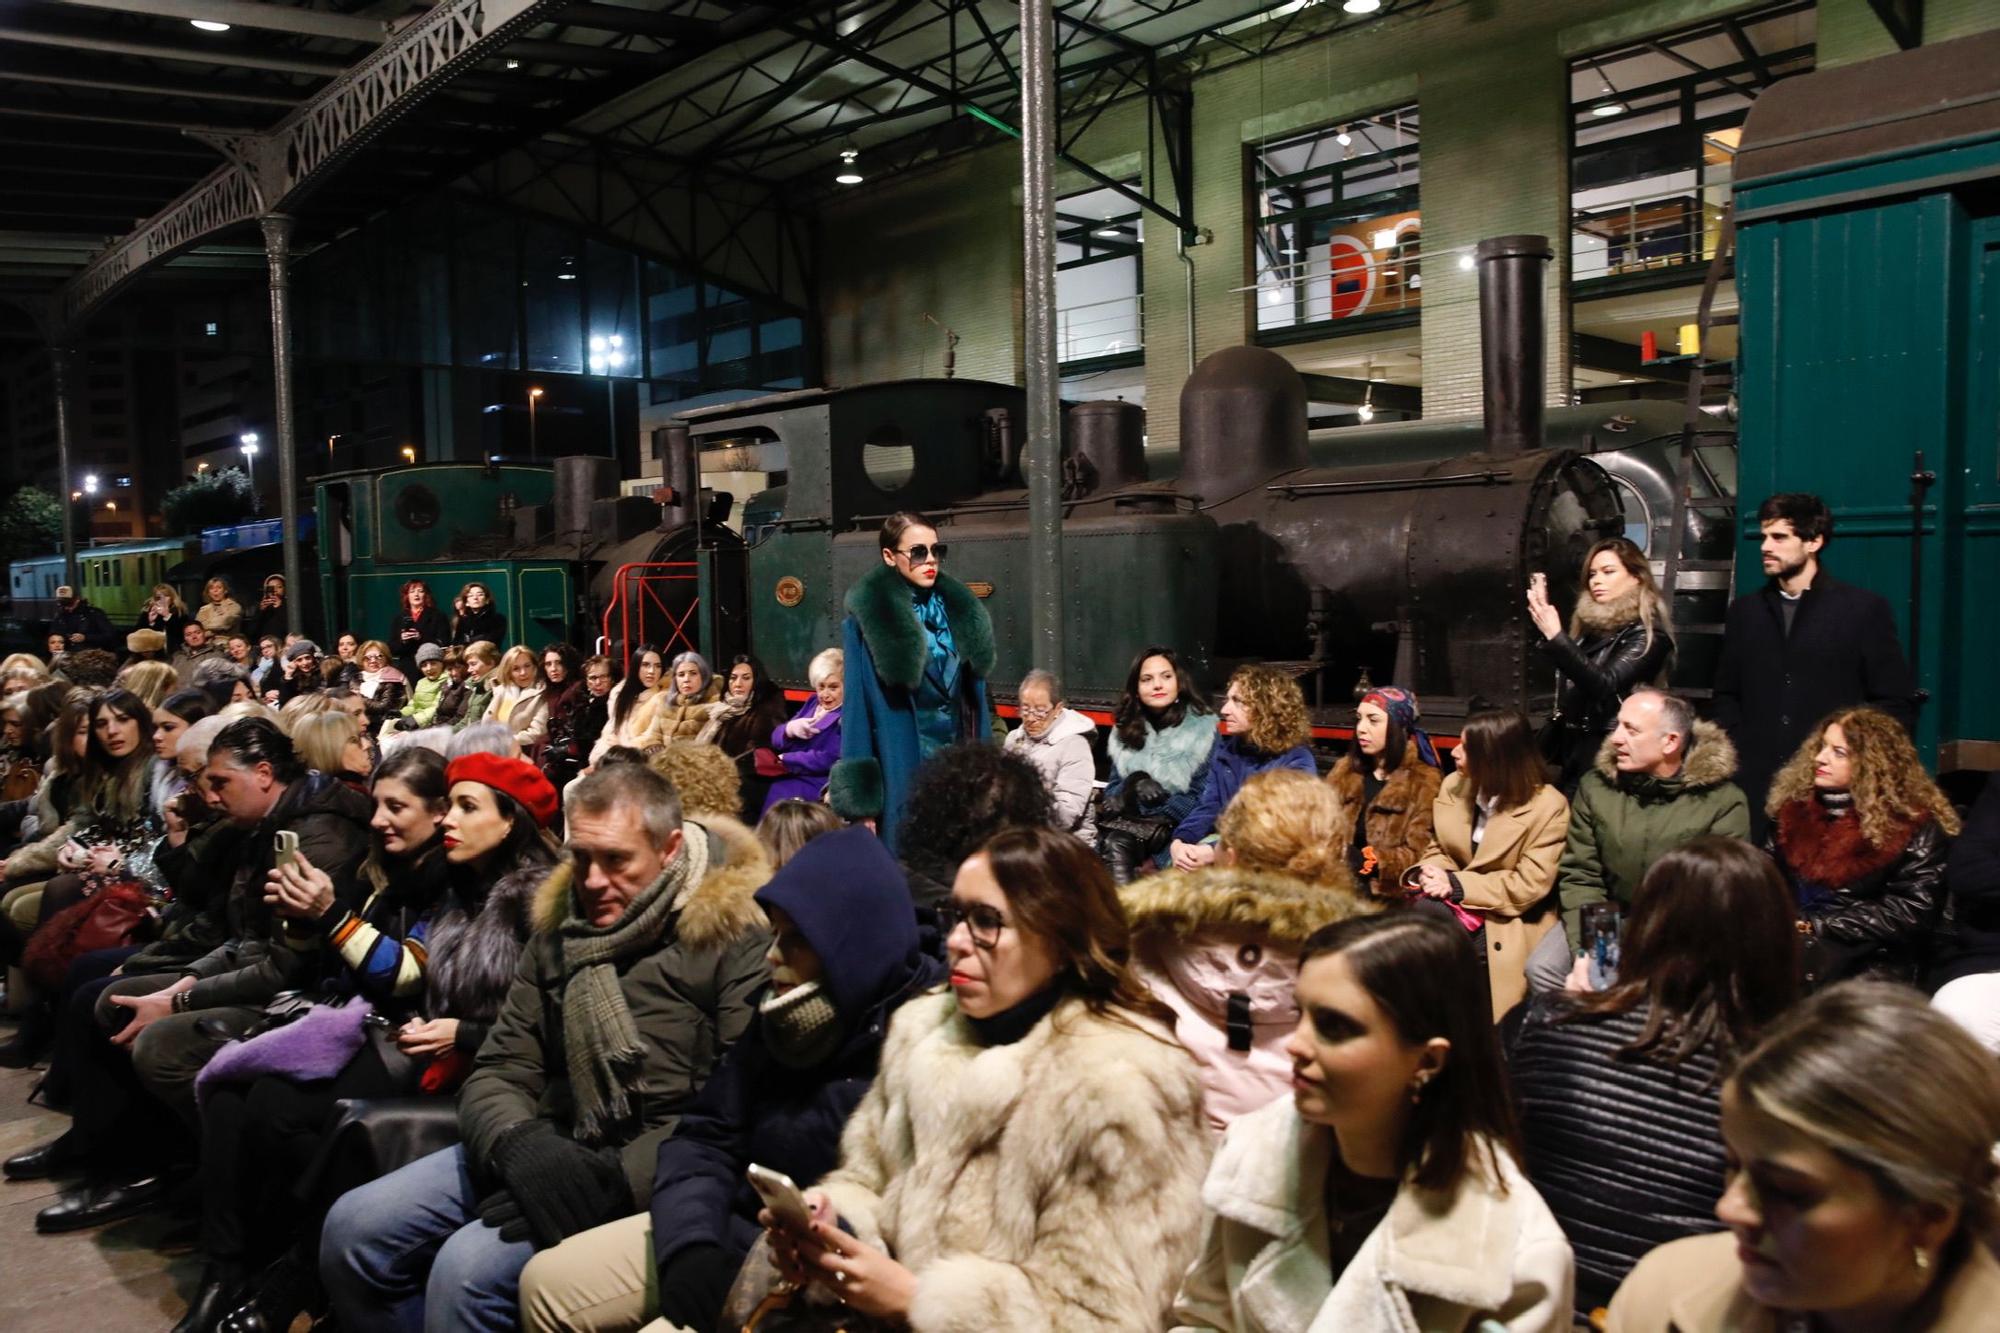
point(59, 355)
point(278, 252)
point(1043, 457)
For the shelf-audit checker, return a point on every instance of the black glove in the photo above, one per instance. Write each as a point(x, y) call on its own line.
point(694, 1284)
point(559, 1186)
point(503, 1214)
point(1146, 791)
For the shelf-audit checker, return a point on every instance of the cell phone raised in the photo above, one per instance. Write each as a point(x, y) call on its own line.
point(285, 849)
point(782, 1197)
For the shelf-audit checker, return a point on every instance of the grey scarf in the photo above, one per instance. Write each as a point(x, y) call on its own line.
point(604, 1047)
point(801, 1026)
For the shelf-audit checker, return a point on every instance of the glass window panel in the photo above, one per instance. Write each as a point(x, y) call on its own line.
point(552, 274)
point(484, 290)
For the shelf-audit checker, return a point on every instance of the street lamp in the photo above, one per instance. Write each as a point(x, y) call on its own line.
point(607, 354)
point(533, 394)
point(90, 483)
point(248, 443)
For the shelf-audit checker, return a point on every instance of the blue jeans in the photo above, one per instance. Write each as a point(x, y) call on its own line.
point(408, 1252)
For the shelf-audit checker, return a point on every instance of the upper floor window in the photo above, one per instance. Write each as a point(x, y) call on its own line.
point(1338, 234)
point(1654, 131)
point(1099, 279)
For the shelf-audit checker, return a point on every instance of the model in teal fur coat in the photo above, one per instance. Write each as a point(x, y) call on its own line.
point(897, 709)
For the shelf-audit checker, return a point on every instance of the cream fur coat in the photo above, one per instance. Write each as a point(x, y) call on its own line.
point(1435, 1264)
point(1041, 1187)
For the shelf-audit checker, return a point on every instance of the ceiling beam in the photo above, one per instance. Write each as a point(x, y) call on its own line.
point(251, 14)
point(1350, 392)
point(592, 57)
point(230, 57)
point(199, 92)
point(643, 22)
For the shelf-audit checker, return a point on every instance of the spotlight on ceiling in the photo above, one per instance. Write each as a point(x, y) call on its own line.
point(849, 174)
point(1361, 6)
point(209, 25)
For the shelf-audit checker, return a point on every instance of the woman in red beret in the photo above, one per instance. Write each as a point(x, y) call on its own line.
point(459, 854)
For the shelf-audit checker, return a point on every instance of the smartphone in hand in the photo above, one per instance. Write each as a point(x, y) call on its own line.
point(782, 1196)
point(285, 848)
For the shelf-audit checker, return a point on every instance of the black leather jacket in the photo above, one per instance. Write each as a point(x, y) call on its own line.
point(1593, 678)
point(1880, 924)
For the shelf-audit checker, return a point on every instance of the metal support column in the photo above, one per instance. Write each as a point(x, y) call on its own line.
point(1043, 457)
point(59, 356)
point(278, 252)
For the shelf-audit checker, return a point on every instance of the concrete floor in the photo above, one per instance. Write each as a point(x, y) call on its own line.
point(135, 1275)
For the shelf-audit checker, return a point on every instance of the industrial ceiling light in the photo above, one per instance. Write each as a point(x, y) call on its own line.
point(1367, 409)
point(1360, 6)
point(1110, 232)
point(1343, 138)
point(849, 174)
point(1612, 105)
point(209, 25)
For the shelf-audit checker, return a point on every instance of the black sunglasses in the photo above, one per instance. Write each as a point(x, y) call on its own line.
point(916, 555)
point(982, 922)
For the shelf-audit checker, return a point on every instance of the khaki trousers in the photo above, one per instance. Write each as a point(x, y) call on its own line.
point(598, 1281)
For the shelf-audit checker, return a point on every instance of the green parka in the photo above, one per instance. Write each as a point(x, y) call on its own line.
point(1620, 823)
point(690, 998)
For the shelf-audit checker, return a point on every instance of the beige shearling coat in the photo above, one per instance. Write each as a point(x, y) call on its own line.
point(1435, 1263)
point(1047, 1186)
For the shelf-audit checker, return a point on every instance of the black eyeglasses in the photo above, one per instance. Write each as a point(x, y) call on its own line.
point(916, 555)
point(983, 923)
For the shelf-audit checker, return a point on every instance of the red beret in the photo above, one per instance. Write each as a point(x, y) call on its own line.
point(517, 777)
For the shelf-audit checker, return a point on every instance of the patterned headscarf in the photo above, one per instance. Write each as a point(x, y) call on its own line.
point(1401, 706)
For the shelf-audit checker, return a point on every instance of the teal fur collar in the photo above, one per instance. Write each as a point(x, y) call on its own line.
point(1172, 757)
point(880, 604)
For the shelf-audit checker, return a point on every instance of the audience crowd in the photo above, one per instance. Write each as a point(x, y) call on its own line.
point(450, 982)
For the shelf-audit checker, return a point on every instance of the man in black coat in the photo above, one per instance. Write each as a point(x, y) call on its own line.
point(1801, 647)
point(80, 624)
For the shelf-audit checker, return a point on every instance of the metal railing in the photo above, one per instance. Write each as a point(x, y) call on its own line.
point(640, 587)
point(1101, 328)
point(1333, 282)
point(1647, 233)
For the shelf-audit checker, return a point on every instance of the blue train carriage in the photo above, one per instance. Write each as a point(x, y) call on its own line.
point(448, 524)
point(116, 578)
point(243, 555)
point(1868, 223)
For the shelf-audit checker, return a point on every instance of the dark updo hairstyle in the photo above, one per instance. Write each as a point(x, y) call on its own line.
point(893, 527)
point(420, 769)
point(189, 706)
point(1059, 891)
point(1134, 723)
point(1421, 971)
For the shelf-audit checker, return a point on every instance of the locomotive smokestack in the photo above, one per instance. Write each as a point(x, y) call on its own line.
point(1512, 348)
point(680, 470)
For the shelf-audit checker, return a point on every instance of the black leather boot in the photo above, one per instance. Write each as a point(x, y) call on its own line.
point(280, 1294)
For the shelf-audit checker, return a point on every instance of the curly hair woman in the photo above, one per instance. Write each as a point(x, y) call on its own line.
point(1861, 831)
point(1264, 726)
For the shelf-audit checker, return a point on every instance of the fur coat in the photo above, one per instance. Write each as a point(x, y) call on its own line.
point(1399, 822)
point(887, 654)
point(1442, 1263)
point(1045, 1186)
point(1220, 947)
point(473, 955)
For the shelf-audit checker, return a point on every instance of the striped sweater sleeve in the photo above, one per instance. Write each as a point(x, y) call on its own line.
point(384, 967)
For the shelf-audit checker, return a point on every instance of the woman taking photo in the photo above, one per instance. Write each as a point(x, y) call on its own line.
point(269, 619)
point(921, 646)
point(1620, 636)
point(479, 620)
point(750, 707)
point(1497, 835)
point(1861, 1189)
point(164, 613)
point(808, 746)
point(1264, 726)
point(682, 713)
point(1388, 781)
point(520, 701)
point(1620, 1090)
point(973, 1190)
point(220, 614)
point(1220, 946)
point(1160, 739)
point(1862, 832)
point(451, 876)
point(1383, 1194)
point(633, 702)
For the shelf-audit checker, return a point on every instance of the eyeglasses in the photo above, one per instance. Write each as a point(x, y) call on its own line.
point(1036, 714)
point(916, 555)
point(982, 922)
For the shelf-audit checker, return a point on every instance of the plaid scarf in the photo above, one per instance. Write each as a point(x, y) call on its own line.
point(603, 1044)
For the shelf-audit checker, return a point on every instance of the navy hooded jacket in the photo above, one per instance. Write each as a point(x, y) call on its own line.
point(848, 899)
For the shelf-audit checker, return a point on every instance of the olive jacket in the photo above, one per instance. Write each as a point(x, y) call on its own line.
point(1620, 823)
point(690, 998)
